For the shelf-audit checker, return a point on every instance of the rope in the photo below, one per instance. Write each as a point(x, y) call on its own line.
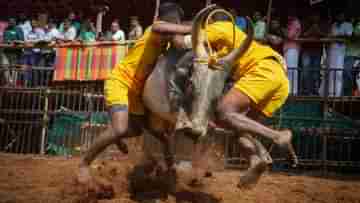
point(213, 58)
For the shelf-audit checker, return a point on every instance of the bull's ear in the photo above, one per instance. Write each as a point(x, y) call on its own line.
point(231, 58)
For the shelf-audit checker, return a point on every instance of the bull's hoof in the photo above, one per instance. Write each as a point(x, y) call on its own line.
point(252, 176)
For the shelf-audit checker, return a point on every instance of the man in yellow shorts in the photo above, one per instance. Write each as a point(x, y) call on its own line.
point(261, 87)
point(123, 88)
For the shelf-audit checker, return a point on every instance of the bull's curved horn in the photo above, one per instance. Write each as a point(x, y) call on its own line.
point(238, 52)
point(197, 38)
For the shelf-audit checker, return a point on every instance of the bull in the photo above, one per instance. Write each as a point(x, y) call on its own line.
point(206, 85)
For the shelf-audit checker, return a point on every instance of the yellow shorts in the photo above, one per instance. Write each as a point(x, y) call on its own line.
point(266, 84)
point(118, 93)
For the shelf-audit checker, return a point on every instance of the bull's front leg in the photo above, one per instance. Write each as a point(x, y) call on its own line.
point(158, 129)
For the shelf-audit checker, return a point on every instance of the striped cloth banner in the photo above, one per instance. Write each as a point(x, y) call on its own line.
point(85, 63)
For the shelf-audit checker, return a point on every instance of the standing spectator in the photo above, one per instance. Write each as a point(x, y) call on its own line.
point(51, 35)
point(239, 20)
point(292, 51)
point(69, 32)
point(136, 31)
point(12, 34)
point(32, 56)
point(311, 57)
point(340, 29)
point(116, 34)
point(24, 23)
point(88, 31)
point(352, 55)
point(42, 19)
point(51, 32)
point(3, 59)
point(73, 22)
point(275, 36)
point(3, 26)
point(259, 27)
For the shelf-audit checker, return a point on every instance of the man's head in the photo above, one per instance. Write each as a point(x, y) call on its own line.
point(219, 17)
point(340, 17)
point(22, 18)
point(34, 23)
point(257, 16)
point(72, 16)
point(234, 12)
point(275, 23)
point(12, 22)
point(115, 26)
point(51, 25)
point(315, 18)
point(170, 12)
point(67, 24)
point(134, 21)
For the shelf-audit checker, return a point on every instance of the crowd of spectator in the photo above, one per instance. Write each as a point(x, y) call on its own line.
point(41, 29)
point(297, 39)
point(322, 54)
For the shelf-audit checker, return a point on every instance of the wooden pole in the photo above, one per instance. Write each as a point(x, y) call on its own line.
point(268, 15)
point(156, 10)
point(45, 122)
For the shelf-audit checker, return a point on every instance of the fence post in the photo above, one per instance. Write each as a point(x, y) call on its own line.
point(45, 121)
point(325, 118)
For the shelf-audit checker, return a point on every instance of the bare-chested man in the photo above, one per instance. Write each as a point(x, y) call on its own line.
point(123, 88)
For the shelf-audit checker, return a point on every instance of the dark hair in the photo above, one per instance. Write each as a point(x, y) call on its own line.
point(170, 10)
point(220, 17)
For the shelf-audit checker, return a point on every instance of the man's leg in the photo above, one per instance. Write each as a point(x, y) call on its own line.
point(119, 128)
point(257, 165)
point(348, 75)
point(232, 111)
point(306, 79)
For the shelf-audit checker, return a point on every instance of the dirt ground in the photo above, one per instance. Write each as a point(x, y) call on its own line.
point(36, 179)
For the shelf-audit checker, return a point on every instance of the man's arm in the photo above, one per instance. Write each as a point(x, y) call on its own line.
point(182, 41)
point(170, 28)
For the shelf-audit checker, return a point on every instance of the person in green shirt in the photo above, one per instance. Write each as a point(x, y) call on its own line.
point(12, 32)
point(87, 33)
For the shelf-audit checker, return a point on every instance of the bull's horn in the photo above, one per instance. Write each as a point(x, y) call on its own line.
point(238, 52)
point(198, 39)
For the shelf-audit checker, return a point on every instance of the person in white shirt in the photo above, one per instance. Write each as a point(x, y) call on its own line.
point(69, 33)
point(336, 55)
point(116, 34)
point(24, 24)
point(51, 35)
point(51, 32)
point(136, 31)
point(32, 56)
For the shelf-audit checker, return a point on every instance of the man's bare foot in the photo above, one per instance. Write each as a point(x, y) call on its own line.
point(252, 175)
point(266, 157)
point(285, 139)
